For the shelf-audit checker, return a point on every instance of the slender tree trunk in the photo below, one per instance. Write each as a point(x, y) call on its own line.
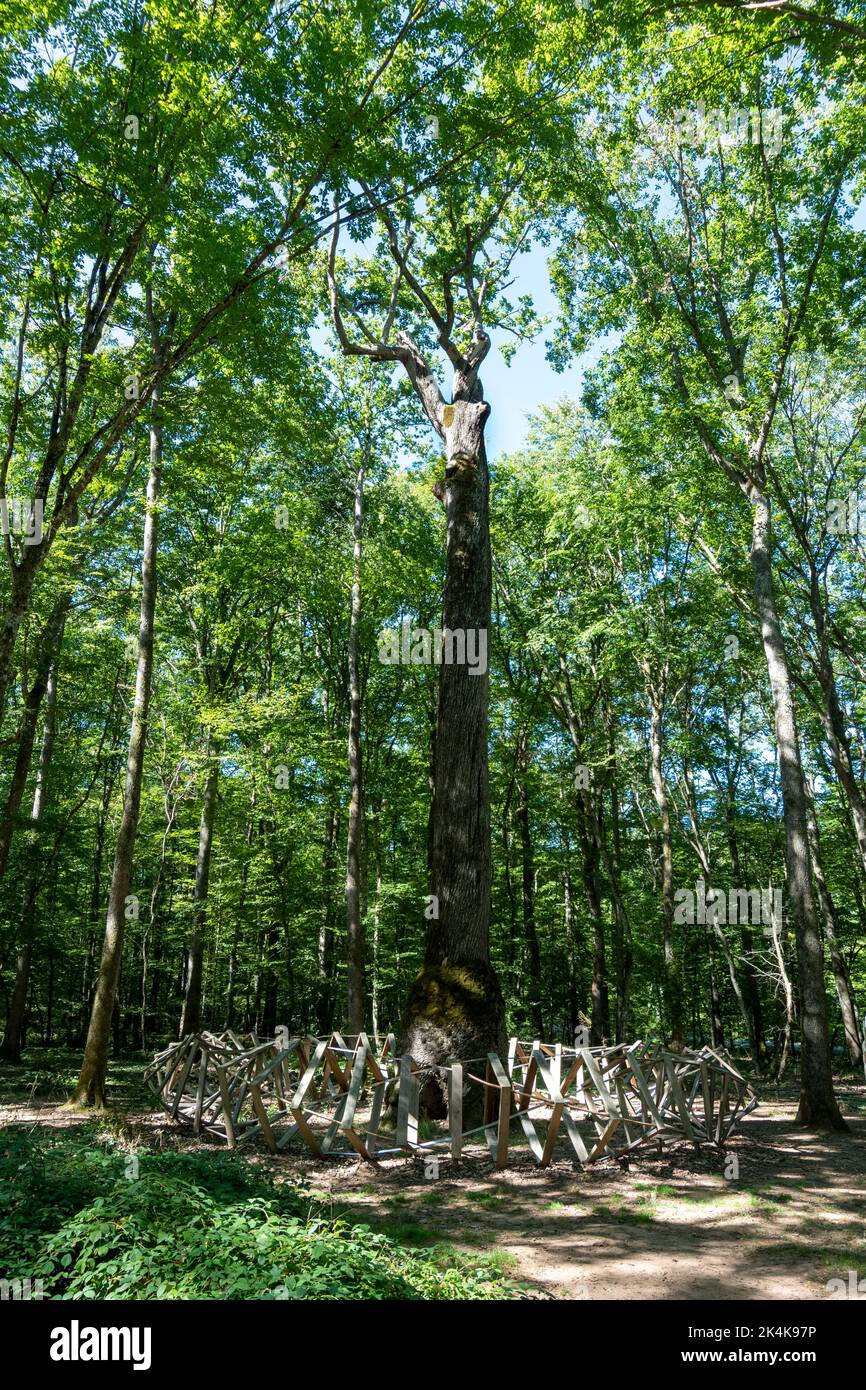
point(783, 1053)
point(239, 917)
point(91, 1082)
point(818, 1107)
point(844, 990)
point(232, 972)
point(673, 984)
point(354, 923)
point(49, 644)
point(325, 1006)
point(715, 928)
point(833, 718)
point(376, 913)
point(751, 993)
point(95, 897)
point(530, 934)
point(22, 580)
point(49, 1001)
point(600, 1017)
point(270, 985)
point(190, 1021)
point(623, 953)
point(11, 1047)
point(573, 947)
point(611, 861)
point(717, 1027)
point(153, 911)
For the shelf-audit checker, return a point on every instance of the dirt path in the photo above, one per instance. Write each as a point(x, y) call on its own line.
point(672, 1227)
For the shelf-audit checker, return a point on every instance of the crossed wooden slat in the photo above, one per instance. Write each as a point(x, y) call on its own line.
point(332, 1093)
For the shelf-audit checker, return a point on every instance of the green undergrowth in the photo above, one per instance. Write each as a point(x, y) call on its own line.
point(93, 1220)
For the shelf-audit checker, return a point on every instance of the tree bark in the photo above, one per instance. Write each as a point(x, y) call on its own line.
point(717, 1027)
point(21, 584)
point(530, 934)
point(354, 924)
point(844, 990)
point(600, 1016)
point(455, 1006)
point(833, 717)
point(49, 643)
point(700, 845)
point(92, 1079)
point(673, 984)
point(817, 1108)
point(751, 993)
point(190, 1021)
point(324, 1004)
point(10, 1050)
point(95, 902)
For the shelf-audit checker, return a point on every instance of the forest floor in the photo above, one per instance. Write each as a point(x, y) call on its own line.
point(671, 1227)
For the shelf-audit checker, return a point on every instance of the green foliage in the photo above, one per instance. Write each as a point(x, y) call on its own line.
point(197, 1226)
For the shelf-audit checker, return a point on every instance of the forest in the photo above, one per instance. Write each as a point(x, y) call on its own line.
point(434, 521)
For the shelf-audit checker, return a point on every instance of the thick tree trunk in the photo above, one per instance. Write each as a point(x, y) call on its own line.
point(190, 1021)
point(11, 1047)
point(455, 1006)
point(91, 1082)
point(818, 1107)
point(354, 923)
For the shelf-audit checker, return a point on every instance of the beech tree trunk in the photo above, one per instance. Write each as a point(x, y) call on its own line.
point(92, 1079)
point(600, 1016)
point(623, 953)
point(751, 993)
point(530, 934)
point(324, 1004)
point(714, 927)
point(844, 990)
point(717, 1027)
point(190, 1021)
point(833, 717)
point(672, 983)
point(354, 923)
point(818, 1108)
point(11, 1047)
point(21, 589)
point(47, 648)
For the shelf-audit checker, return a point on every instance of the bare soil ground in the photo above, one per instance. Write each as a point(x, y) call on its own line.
point(671, 1227)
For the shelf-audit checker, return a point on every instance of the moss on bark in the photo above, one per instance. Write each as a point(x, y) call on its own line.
point(453, 1010)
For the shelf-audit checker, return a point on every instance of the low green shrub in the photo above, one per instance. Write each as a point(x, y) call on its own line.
point(196, 1226)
